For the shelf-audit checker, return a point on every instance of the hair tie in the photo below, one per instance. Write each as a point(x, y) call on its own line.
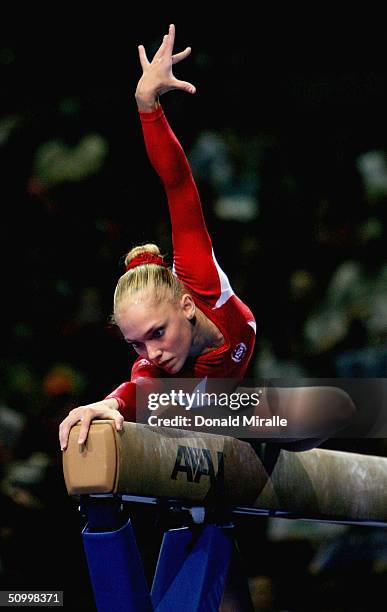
point(146, 258)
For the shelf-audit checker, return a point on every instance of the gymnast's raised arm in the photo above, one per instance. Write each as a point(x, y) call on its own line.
point(195, 266)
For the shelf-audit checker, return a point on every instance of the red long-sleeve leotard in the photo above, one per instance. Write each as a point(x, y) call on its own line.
point(195, 265)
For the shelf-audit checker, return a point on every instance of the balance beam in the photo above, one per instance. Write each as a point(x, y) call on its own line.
point(201, 469)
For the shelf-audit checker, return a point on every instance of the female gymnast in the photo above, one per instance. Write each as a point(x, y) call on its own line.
point(186, 322)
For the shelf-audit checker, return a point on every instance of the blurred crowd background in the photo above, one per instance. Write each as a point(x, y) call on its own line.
point(291, 163)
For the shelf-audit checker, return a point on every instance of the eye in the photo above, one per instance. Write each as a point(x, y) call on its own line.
point(158, 333)
point(134, 345)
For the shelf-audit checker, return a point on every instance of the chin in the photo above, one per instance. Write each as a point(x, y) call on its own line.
point(175, 368)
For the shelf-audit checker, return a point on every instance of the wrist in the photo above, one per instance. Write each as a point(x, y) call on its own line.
point(147, 102)
point(112, 403)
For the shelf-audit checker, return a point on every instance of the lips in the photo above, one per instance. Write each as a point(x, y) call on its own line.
point(164, 362)
point(162, 365)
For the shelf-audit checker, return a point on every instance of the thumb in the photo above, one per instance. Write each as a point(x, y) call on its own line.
point(184, 86)
point(119, 420)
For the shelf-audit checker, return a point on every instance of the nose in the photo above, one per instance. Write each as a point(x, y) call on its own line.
point(154, 353)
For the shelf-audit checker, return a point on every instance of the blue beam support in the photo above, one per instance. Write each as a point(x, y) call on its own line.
point(116, 570)
point(192, 569)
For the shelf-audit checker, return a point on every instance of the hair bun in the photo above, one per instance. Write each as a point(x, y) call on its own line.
point(151, 248)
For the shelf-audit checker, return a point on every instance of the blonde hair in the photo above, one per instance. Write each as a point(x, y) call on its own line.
point(147, 276)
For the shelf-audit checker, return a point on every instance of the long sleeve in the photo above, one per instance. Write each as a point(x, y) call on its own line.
point(194, 261)
point(125, 395)
point(145, 378)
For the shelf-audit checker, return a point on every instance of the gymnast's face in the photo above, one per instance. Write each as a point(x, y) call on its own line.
point(158, 330)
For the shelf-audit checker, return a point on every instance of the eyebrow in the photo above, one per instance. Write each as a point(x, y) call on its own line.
point(150, 330)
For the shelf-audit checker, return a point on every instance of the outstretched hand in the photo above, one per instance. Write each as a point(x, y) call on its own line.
point(158, 77)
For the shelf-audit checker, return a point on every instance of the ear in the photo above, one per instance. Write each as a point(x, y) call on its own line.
point(188, 306)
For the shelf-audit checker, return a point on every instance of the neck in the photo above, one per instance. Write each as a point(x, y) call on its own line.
point(206, 335)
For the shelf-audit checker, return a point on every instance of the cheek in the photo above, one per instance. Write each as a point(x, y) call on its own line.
point(141, 351)
point(180, 337)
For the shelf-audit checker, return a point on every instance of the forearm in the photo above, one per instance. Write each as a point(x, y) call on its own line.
point(123, 398)
point(131, 397)
point(166, 153)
